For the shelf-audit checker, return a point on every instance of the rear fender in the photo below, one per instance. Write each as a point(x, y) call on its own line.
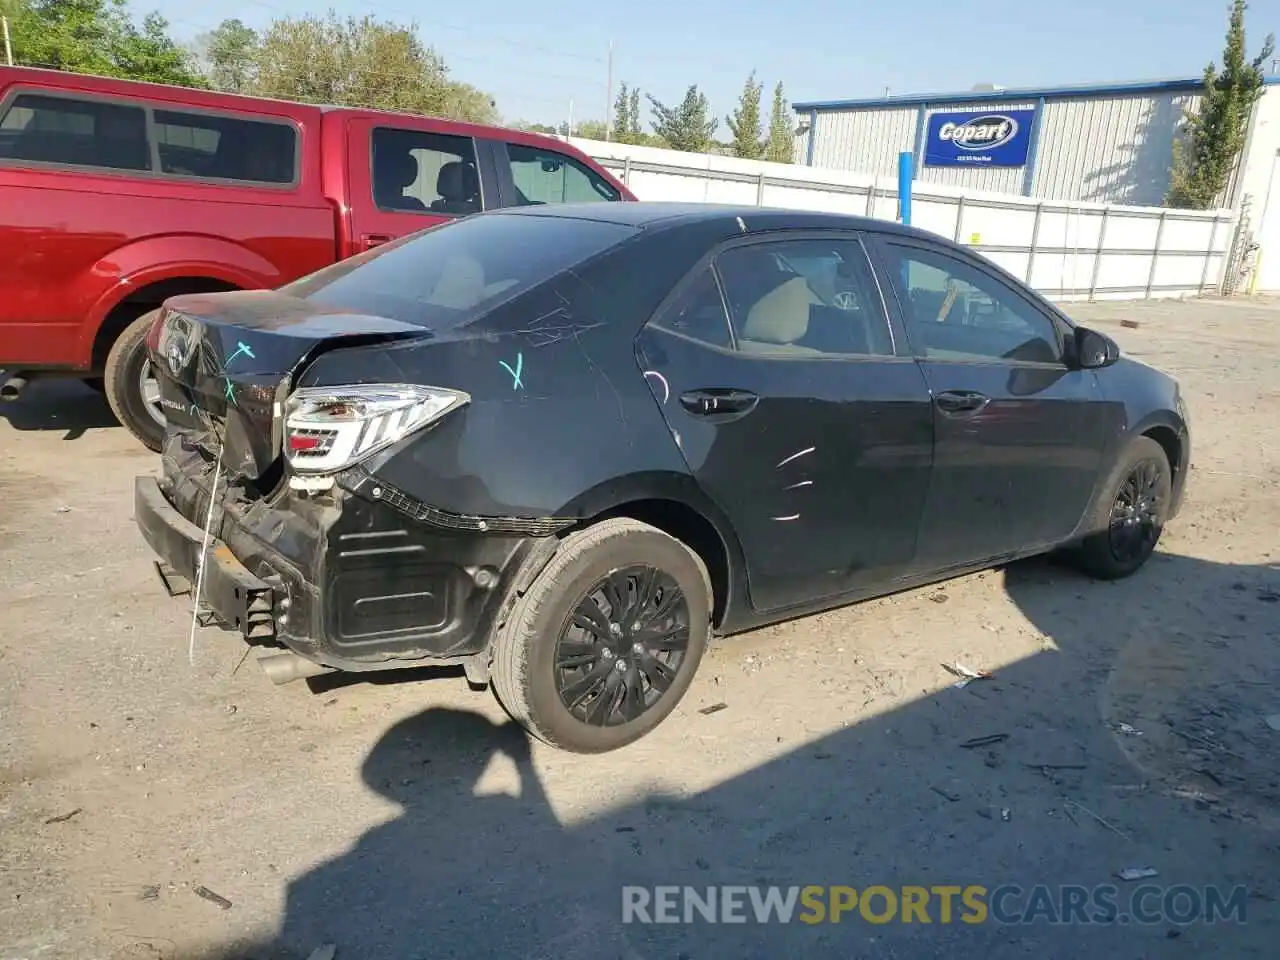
point(621, 496)
point(138, 265)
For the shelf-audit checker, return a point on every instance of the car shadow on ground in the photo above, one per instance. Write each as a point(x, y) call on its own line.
point(58, 404)
point(1063, 769)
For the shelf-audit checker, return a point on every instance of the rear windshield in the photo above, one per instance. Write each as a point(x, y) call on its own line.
point(453, 273)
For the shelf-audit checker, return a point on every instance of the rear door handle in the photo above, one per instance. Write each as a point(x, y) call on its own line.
point(956, 403)
point(371, 240)
point(718, 401)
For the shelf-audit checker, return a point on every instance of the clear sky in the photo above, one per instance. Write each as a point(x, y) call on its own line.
point(536, 57)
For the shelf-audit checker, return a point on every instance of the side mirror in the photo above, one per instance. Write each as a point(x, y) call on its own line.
point(1094, 349)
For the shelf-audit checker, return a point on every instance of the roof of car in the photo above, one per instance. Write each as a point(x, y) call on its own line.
point(646, 214)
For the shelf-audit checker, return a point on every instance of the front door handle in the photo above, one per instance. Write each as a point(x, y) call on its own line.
point(371, 240)
point(961, 403)
point(717, 401)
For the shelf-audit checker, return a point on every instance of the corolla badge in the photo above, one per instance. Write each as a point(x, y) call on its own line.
point(985, 132)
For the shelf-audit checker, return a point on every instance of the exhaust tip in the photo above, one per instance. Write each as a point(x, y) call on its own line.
point(282, 668)
point(12, 388)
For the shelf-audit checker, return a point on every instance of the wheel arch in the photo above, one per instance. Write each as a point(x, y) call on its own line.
point(1170, 443)
point(676, 505)
point(1163, 427)
point(143, 299)
point(114, 287)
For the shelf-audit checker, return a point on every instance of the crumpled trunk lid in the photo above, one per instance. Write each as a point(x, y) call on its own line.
point(226, 362)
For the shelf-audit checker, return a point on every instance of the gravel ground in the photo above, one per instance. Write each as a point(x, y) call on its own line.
point(151, 807)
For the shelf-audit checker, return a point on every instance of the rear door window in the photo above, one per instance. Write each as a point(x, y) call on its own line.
point(82, 133)
point(541, 175)
point(415, 171)
point(225, 148)
point(458, 270)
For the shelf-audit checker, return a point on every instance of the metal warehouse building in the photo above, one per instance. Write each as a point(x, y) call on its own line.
point(1105, 144)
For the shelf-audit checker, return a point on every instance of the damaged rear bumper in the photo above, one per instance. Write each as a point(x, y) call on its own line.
point(238, 598)
point(345, 580)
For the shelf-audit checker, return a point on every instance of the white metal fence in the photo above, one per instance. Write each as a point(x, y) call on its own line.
point(1066, 250)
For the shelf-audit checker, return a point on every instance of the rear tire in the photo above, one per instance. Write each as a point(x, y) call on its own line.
point(639, 657)
point(1130, 515)
point(126, 364)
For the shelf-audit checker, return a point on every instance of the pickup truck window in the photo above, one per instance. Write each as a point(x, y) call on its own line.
point(100, 133)
point(420, 172)
point(545, 176)
point(225, 148)
point(83, 133)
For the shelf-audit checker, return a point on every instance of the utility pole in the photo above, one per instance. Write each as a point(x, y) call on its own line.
point(8, 50)
point(608, 98)
point(570, 116)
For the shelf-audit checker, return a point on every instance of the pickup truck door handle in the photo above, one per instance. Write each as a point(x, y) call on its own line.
point(371, 240)
point(717, 401)
point(960, 403)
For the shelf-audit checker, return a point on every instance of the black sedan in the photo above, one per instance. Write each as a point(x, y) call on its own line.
point(561, 445)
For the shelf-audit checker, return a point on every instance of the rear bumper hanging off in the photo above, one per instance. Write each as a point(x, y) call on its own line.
point(347, 582)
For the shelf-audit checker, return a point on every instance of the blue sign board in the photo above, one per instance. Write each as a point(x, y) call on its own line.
point(985, 138)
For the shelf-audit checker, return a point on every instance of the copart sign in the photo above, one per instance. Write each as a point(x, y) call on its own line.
point(988, 138)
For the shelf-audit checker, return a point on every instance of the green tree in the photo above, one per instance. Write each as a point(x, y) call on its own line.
point(590, 130)
point(622, 120)
point(151, 54)
point(626, 118)
point(534, 127)
point(1206, 153)
point(465, 102)
point(634, 133)
point(98, 37)
point(362, 63)
point(744, 124)
point(780, 147)
point(353, 63)
point(229, 53)
point(688, 126)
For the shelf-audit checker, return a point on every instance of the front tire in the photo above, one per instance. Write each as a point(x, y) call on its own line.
point(605, 642)
point(131, 387)
point(1130, 515)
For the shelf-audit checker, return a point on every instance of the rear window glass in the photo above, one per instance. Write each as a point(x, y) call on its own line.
point(225, 148)
point(84, 133)
point(452, 273)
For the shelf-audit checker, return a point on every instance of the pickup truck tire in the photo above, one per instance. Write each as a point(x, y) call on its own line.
point(127, 363)
point(586, 681)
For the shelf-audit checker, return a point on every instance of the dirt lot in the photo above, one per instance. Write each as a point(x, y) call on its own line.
point(397, 817)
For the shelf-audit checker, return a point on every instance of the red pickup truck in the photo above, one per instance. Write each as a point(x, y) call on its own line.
point(116, 195)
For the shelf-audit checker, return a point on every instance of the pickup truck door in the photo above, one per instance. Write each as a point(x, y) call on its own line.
point(407, 174)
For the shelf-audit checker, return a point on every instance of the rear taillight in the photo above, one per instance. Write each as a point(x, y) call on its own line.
point(327, 429)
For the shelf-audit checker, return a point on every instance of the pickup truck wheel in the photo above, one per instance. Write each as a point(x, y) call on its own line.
point(1130, 514)
point(131, 386)
point(604, 644)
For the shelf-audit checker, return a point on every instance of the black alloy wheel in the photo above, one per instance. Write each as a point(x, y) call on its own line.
point(1136, 513)
point(1129, 513)
point(622, 647)
point(603, 643)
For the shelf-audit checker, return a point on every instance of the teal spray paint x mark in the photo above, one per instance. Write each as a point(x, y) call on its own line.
point(515, 374)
